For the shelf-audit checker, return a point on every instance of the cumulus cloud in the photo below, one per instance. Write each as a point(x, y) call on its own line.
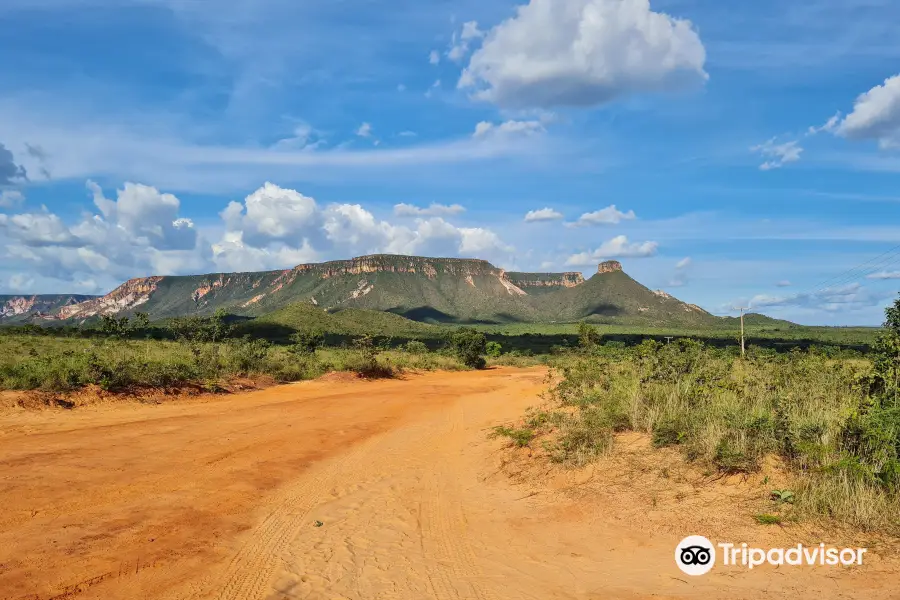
point(778, 154)
point(605, 216)
point(485, 129)
point(10, 172)
point(617, 247)
point(835, 299)
point(277, 228)
point(434, 58)
point(365, 130)
point(435, 210)
point(583, 53)
point(544, 214)
point(37, 229)
point(11, 198)
point(272, 214)
point(139, 233)
point(147, 214)
point(884, 275)
point(875, 115)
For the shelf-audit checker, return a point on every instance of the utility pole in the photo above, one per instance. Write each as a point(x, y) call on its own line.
point(742, 309)
point(668, 338)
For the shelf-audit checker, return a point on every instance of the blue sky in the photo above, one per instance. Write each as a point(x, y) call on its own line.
point(728, 153)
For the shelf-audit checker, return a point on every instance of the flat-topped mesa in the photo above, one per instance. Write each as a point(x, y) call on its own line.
point(536, 280)
point(609, 266)
point(395, 263)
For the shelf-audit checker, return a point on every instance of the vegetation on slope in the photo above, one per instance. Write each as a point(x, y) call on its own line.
point(833, 419)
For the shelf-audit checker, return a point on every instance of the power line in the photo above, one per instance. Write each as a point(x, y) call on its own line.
point(827, 283)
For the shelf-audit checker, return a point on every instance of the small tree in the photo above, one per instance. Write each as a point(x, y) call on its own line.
point(588, 336)
point(307, 342)
point(140, 323)
point(493, 349)
point(113, 327)
point(469, 346)
point(218, 325)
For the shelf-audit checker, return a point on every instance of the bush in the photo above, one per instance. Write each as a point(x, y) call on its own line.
point(469, 346)
point(493, 349)
point(364, 361)
point(416, 347)
point(307, 342)
point(247, 356)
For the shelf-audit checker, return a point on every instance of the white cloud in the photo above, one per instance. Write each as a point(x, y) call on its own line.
point(281, 225)
point(145, 213)
point(605, 216)
point(829, 126)
point(304, 137)
point(783, 283)
point(459, 45)
point(272, 213)
point(435, 210)
point(486, 129)
point(435, 57)
point(583, 53)
point(476, 241)
point(37, 229)
point(876, 115)
point(680, 276)
point(140, 233)
point(883, 275)
point(365, 130)
point(20, 282)
point(544, 214)
point(11, 198)
point(618, 247)
point(779, 154)
point(836, 299)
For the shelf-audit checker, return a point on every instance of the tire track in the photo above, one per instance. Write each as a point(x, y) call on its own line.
point(454, 573)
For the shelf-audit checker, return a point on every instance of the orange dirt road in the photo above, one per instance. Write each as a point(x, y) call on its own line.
point(329, 490)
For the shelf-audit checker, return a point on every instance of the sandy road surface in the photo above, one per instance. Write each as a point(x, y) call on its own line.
point(220, 500)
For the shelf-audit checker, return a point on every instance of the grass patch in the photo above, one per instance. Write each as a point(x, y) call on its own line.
point(823, 415)
point(766, 519)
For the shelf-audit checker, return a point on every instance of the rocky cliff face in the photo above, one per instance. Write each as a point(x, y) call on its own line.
point(22, 306)
point(129, 295)
point(389, 263)
point(610, 266)
point(545, 280)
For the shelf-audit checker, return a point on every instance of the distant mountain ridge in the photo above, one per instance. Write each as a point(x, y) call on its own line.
point(20, 308)
point(450, 290)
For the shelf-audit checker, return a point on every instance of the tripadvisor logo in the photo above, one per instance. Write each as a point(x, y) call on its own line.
point(696, 555)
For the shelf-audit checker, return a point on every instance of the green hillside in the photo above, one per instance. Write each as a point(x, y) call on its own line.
point(427, 290)
point(349, 322)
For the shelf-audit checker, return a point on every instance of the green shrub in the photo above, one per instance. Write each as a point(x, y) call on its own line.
point(469, 346)
point(307, 342)
point(493, 349)
point(415, 347)
point(364, 361)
